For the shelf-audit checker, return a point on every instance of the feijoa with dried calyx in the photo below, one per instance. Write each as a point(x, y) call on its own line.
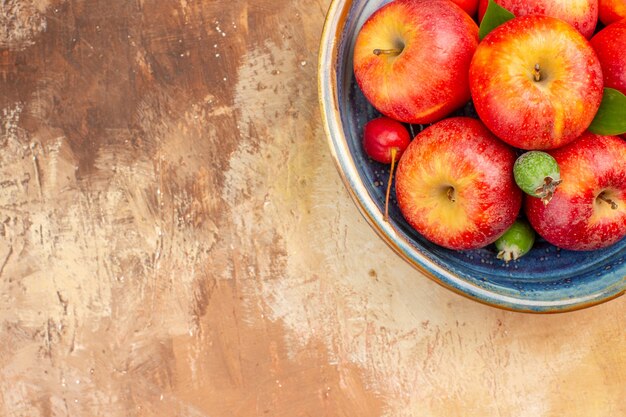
point(516, 242)
point(537, 174)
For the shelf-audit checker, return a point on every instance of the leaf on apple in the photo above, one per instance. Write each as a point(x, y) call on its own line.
point(495, 15)
point(611, 117)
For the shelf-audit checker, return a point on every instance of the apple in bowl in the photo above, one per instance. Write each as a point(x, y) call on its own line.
point(536, 82)
point(581, 14)
point(411, 59)
point(588, 210)
point(455, 186)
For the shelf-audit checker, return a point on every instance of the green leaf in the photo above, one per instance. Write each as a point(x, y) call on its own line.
point(495, 15)
point(611, 116)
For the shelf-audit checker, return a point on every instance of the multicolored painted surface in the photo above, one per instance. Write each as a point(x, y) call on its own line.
point(175, 239)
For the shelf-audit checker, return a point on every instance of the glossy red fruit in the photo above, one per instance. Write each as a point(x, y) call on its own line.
point(455, 184)
point(470, 6)
point(536, 82)
point(581, 14)
point(588, 210)
point(381, 136)
point(385, 140)
point(611, 10)
point(411, 59)
point(610, 46)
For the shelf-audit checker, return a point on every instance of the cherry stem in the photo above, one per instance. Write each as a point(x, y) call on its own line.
point(537, 73)
point(394, 152)
point(607, 200)
point(392, 52)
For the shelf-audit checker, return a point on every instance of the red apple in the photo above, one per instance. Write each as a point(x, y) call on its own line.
point(582, 14)
point(588, 210)
point(610, 45)
point(611, 11)
point(454, 184)
point(411, 59)
point(536, 82)
point(470, 6)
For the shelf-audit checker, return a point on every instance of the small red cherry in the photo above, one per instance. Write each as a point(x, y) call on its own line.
point(381, 136)
point(385, 140)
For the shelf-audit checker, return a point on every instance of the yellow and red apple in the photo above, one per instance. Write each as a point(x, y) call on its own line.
point(588, 210)
point(610, 46)
point(582, 14)
point(454, 184)
point(536, 82)
point(611, 11)
point(411, 59)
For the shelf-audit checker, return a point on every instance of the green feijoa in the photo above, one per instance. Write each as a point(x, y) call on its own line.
point(537, 174)
point(516, 241)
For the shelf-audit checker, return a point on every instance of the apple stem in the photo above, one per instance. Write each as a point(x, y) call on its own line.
point(537, 73)
point(450, 194)
point(394, 152)
point(392, 52)
point(607, 200)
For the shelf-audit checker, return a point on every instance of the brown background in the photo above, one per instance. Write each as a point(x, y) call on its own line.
point(175, 240)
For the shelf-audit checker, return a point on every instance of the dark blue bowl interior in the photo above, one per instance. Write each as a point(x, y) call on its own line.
point(545, 274)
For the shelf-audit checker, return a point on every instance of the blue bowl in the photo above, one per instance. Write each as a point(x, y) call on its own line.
point(547, 280)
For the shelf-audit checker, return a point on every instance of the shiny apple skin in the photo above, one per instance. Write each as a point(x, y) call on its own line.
point(460, 153)
point(610, 46)
point(529, 114)
point(575, 218)
point(610, 11)
point(582, 14)
point(470, 6)
point(429, 79)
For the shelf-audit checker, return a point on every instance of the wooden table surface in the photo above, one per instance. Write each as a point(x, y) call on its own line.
point(176, 241)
